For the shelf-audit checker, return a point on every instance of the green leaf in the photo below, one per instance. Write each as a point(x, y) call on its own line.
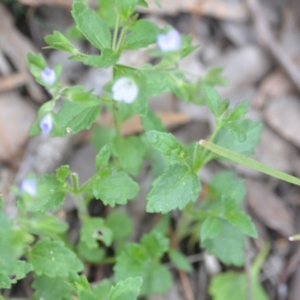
point(93, 230)
point(53, 259)
point(239, 111)
point(115, 188)
point(157, 279)
point(51, 288)
point(51, 194)
point(164, 142)
point(127, 289)
point(223, 284)
point(60, 42)
point(155, 243)
point(214, 77)
point(107, 58)
point(152, 122)
point(130, 151)
point(227, 184)
point(46, 226)
point(120, 224)
point(252, 129)
point(228, 246)
point(242, 222)
point(37, 60)
point(180, 261)
point(175, 188)
point(62, 173)
point(249, 162)
point(210, 228)
point(76, 116)
point(125, 8)
point(132, 261)
point(91, 26)
point(142, 33)
point(212, 98)
point(94, 255)
point(102, 290)
point(102, 157)
point(239, 133)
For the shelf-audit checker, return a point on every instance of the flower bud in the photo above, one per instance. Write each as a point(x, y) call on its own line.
point(171, 41)
point(29, 186)
point(48, 75)
point(125, 90)
point(46, 124)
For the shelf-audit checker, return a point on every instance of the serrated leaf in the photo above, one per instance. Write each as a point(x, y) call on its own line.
point(127, 289)
point(51, 194)
point(239, 111)
point(152, 122)
point(226, 184)
point(51, 288)
point(53, 259)
point(62, 173)
point(94, 255)
point(130, 151)
point(103, 157)
point(228, 246)
point(210, 228)
point(133, 261)
point(157, 279)
point(60, 42)
point(155, 243)
point(93, 230)
point(120, 224)
point(212, 98)
point(239, 133)
point(95, 29)
point(157, 81)
point(180, 261)
point(141, 34)
point(252, 128)
point(116, 188)
point(175, 188)
point(242, 222)
point(77, 115)
point(162, 141)
point(102, 290)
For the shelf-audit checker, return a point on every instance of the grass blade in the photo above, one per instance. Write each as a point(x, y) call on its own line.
point(248, 162)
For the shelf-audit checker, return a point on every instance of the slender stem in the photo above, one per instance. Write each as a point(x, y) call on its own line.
point(204, 152)
point(82, 209)
point(123, 32)
point(116, 120)
point(116, 33)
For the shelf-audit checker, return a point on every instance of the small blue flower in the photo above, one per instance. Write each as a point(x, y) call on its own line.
point(169, 42)
point(29, 186)
point(125, 90)
point(48, 75)
point(46, 124)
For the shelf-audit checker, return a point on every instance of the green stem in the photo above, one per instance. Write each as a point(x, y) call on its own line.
point(204, 152)
point(123, 32)
point(116, 33)
point(82, 209)
point(116, 120)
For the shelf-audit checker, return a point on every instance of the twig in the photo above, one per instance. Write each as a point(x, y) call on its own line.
point(267, 39)
point(13, 81)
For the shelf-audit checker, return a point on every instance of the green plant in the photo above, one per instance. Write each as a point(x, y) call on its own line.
point(36, 240)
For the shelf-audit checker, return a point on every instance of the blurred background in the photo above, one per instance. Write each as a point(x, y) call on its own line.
point(256, 42)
